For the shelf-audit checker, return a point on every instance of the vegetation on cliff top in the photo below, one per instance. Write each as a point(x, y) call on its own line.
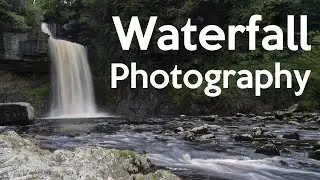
point(19, 15)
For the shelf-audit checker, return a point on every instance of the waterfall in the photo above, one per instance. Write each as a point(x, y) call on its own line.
point(72, 85)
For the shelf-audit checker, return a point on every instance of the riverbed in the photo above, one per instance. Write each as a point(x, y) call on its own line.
point(218, 156)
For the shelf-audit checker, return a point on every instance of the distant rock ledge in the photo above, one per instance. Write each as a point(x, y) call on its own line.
point(19, 114)
point(22, 158)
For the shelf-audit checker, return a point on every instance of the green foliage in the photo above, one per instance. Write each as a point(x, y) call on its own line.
point(58, 11)
point(127, 154)
point(15, 20)
point(33, 15)
point(39, 95)
point(19, 15)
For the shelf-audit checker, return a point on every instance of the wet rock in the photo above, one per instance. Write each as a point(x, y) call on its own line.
point(292, 108)
point(244, 137)
point(179, 130)
point(288, 113)
point(316, 146)
point(260, 132)
point(294, 135)
point(286, 151)
point(189, 136)
point(279, 115)
point(200, 130)
point(210, 118)
point(16, 114)
point(268, 149)
point(315, 154)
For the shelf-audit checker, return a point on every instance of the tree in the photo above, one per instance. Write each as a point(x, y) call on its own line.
point(19, 15)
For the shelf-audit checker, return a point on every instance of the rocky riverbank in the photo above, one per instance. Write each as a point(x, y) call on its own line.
point(22, 158)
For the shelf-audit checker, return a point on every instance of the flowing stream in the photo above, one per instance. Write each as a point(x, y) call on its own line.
point(220, 158)
point(72, 86)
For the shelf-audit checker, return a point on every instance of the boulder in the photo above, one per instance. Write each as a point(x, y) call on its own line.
point(200, 130)
point(16, 114)
point(279, 115)
point(243, 137)
point(179, 130)
point(269, 149)
point(316, 146)
point(315, 154)
point(189, 136)
point(260, 132)
point(292, 108)
point(294, 135)
point(210, 118)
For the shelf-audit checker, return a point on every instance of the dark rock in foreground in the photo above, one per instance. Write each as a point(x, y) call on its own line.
point(16, 114)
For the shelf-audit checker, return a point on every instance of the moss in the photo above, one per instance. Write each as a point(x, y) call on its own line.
point(127, 153)
point(39, 95)
point(190, 6)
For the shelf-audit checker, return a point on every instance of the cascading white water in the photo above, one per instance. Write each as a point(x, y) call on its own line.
point(73, 94)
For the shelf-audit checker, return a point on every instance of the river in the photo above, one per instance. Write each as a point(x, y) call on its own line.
point(218, 158)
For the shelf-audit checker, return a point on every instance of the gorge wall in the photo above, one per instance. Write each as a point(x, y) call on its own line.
point(24, 69)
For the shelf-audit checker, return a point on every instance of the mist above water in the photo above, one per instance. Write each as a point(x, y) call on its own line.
point(72, 86)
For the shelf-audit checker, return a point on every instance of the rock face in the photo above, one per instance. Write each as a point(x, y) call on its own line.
point(23, 46)
point(16, 114)
point(24, 52)
point(22, 159)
